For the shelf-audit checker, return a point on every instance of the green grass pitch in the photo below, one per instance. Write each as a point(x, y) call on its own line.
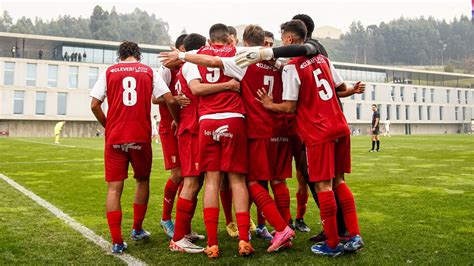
point(415, 201)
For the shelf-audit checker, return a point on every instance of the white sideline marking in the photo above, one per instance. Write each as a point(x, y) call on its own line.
point(86, 232)
point(55, 161)
point(46, 143)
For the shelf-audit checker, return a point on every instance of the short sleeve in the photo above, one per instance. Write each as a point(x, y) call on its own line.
point(159, 85)
point(231, 69)
point(99, 91)
point(338, 81)
point(291, 83)
point(165, 74)
point(190, 72)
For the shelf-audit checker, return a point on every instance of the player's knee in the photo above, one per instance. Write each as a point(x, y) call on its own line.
point(176, 175)
point(322, 186)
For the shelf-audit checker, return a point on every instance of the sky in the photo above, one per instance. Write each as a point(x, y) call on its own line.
point(199, 15)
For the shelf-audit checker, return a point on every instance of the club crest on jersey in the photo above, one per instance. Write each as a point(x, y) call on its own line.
point(222, 131)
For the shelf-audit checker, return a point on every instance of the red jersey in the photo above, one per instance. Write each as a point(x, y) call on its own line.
point(128, 87)
point(308, 81)
point(166, 118)
point(225, 101)
point(189, 117)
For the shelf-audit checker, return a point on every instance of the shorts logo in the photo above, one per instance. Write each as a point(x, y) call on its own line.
point(222, 131)
point(197, 166)
point(127, 146)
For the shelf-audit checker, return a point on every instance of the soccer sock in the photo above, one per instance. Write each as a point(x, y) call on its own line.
point(268, 207)
point(184, 213)
point(243, 223)
point(226, 200)
point(346, 200)
point(114, 219)
point(378, 144)
point(195, 201)
point(373, 145)
point(260, 218)
point(341, 225)
point(328, 209)
point(168, 200)
point(211, 220)
point(301, 200)
point(139, 211)
point(282, 200)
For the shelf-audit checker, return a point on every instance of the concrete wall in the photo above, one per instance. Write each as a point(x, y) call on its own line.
point(35, 128)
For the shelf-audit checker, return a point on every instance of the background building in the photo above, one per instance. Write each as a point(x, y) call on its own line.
point(327, 32)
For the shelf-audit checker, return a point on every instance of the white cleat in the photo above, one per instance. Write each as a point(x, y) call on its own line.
point(184, 245)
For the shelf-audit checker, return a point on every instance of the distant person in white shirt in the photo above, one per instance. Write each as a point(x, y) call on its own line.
point(387, 128)
point(154, 128)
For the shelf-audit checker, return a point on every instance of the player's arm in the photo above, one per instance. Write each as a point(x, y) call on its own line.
point(98, 94)
point(202, 89)
point(376, 124)
point(267, 102)
point(161, 90)
point(344, 91)
point(97, 111)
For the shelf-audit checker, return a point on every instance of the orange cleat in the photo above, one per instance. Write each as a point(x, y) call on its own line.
point(245, 248)
point(212, 252)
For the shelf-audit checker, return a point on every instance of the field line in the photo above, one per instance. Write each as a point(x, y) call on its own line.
point(53, 161)
point(46, 143)
point(84, 231)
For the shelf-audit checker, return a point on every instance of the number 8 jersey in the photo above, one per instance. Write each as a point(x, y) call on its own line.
point(128, 87)
point(310, 82)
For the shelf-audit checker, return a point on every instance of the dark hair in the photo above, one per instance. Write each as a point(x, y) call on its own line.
point(295, 26)
point(194, 41)
point(308, 22)
point(232, 30)
point(254, 35)
point(127, 49)
point(269, 35)
point(219, 32)
point(180, 40)
point(374, 105)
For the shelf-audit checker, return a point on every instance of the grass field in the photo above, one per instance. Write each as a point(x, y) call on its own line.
point(415, 201)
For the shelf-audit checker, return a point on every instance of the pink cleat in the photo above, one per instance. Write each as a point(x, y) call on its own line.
point(280, 239)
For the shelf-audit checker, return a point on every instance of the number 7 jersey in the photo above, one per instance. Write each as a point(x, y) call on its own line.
point(128, 87)
point(309, 81)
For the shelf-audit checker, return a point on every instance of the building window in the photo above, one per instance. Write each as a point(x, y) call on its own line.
point(441, 113)
point(31, 75)
point(372, 95)
point(402, 94)
point(62, 103)
point(415, 94)
point(388, 111)
point(52, 76)
point(448, 100)
point(397, 112)
point(428, 112)
point(73, 76)
point(423, 95)
point(459, 97)
point(93, 74)
point(463, 113)
point(358, 111)
point(18, 99)
point(407, 112)
point(420, 112)
point(40, 102)
point(466, 96)
point(9, 74)
point(456, 113)
point(432, 95)
point(392, 93)
point(362, 96)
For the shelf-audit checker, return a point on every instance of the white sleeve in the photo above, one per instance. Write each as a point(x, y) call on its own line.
point(99, 91)
point(159, 86)
point(231, 69)
point(335, 75)
point(165, 74)
point(190, 72)
point(291, 83)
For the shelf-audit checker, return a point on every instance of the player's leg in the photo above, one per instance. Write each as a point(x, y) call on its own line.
point(282, 198)
point(374, 139)
point(211, 211)
point(56, 138)
point(378, 141)
point(262, 230)
point(302, 201)
point(226, 200)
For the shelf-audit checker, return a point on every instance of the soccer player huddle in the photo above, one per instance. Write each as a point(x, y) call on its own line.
point(232, 120)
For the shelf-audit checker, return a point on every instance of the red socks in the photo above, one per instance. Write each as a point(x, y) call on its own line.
point(226, 200)
point(184, 214)
point(268, 207)
point(302, 200)
point(195, 202)
point(328, 210)
point(346, 201)
point(282, 200)
point(139, 211)
point(211, 220)
point(114, 218)
point(243, 223)
point(168, 200)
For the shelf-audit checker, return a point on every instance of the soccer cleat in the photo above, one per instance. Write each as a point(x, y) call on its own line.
point(119, 248)
point(168, 227)
point(193, 236)
point(262, 233)
point(354, 244)
point(301, 226)
point(291, 224)
point(280, 238)
point(245, 248)
point(324, 250)
point(377, 150)
point(253, 227)
point(212, 252)
point(139, 235)
point(232, 229)
point(321, 237)
point(287, 244)
point(371, 150)
point(184, 245)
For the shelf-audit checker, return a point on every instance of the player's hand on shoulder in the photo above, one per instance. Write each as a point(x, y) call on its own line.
point(182, 100)
point(264, 98)
point(169, 57)
point(233, 85)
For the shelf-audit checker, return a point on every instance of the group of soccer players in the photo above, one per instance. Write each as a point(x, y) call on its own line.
point(232, 119)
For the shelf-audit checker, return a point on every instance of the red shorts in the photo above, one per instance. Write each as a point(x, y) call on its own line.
point(118, 156)
point(189, 154)
point(223, 145)
point(169, 144)
point(296, 145)
point(327, 160)
point(269, 159)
